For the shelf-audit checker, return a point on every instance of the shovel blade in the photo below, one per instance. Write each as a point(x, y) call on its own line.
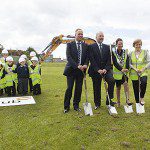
point(112, 110)
point(140, 108)
point(128, 109)
point(87, 109)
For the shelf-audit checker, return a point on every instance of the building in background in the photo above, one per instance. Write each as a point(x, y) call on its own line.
point(57, 60)
point(64, 60)
point(49, 59)
point(52, 59)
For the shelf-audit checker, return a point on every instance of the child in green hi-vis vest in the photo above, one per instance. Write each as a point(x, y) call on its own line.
point(4, 56)
point(35, 74)
point(11, 76)
point(2, 78)
point(32, 54)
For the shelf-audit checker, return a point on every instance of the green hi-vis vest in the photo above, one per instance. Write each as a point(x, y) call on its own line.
point(35, 75)
point(29, 62)
point(2, 81)
point(138, 64)
point(116, 73)
point(10, 76)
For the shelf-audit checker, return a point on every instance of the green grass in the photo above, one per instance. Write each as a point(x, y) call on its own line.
point(44, 126)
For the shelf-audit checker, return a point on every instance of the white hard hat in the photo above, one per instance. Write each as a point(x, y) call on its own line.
point(34, 59)
point(1, 63)
point(32, 54)
point(9, 58)
point(21, 59)
point(23, 56)
point(4, 51)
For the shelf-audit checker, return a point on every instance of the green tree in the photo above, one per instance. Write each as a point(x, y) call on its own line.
point(29, 49)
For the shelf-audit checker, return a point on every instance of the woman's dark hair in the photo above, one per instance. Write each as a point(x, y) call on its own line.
point(119, 39)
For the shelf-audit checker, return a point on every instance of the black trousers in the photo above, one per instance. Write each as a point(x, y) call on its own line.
point(97, 79)
point(143, 86)
point(11, 90)
point(30, 85)
point(23, 86)
point(1, 92)
point(37, 89)
point(78, 80)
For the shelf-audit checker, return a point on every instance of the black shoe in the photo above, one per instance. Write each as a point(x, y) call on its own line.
point(34, 93)
point(129, 104)
point(142, 103)
point(38, 93)
point(96, 107)
point(111, 102)
point(77, 109)
point(66, 111)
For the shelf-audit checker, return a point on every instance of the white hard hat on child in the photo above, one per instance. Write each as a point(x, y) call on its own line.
point(23, 56)
point(32, 54)
point(4, 51)
point(21, 59)
point(9, 58)
point(34, 59)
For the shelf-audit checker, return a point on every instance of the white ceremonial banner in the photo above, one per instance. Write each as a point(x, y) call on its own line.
point(13, 101)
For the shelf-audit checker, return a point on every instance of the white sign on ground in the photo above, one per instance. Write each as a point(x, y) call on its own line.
point(12, 101)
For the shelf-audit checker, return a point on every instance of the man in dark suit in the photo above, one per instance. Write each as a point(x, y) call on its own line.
point(100, 60)
point(77, 57)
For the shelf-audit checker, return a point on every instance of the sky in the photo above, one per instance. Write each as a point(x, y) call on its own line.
point(35, 23)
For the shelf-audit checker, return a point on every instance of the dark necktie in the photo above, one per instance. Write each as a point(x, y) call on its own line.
point(100, 49)
point(79, 51)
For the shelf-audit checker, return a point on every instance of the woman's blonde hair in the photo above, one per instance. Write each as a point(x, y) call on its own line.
point(137, 41)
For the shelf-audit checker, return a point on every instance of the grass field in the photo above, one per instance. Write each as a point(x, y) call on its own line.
point(44, 126)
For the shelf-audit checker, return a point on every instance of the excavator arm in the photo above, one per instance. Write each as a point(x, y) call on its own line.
point(61, 39)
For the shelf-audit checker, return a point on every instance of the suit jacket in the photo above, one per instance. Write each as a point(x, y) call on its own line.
point(97, 60)
point(72, 58)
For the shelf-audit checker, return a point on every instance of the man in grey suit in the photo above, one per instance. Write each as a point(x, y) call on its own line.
point(77, 57)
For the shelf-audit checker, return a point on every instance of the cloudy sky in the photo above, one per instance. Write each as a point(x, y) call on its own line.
point(34, 23)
